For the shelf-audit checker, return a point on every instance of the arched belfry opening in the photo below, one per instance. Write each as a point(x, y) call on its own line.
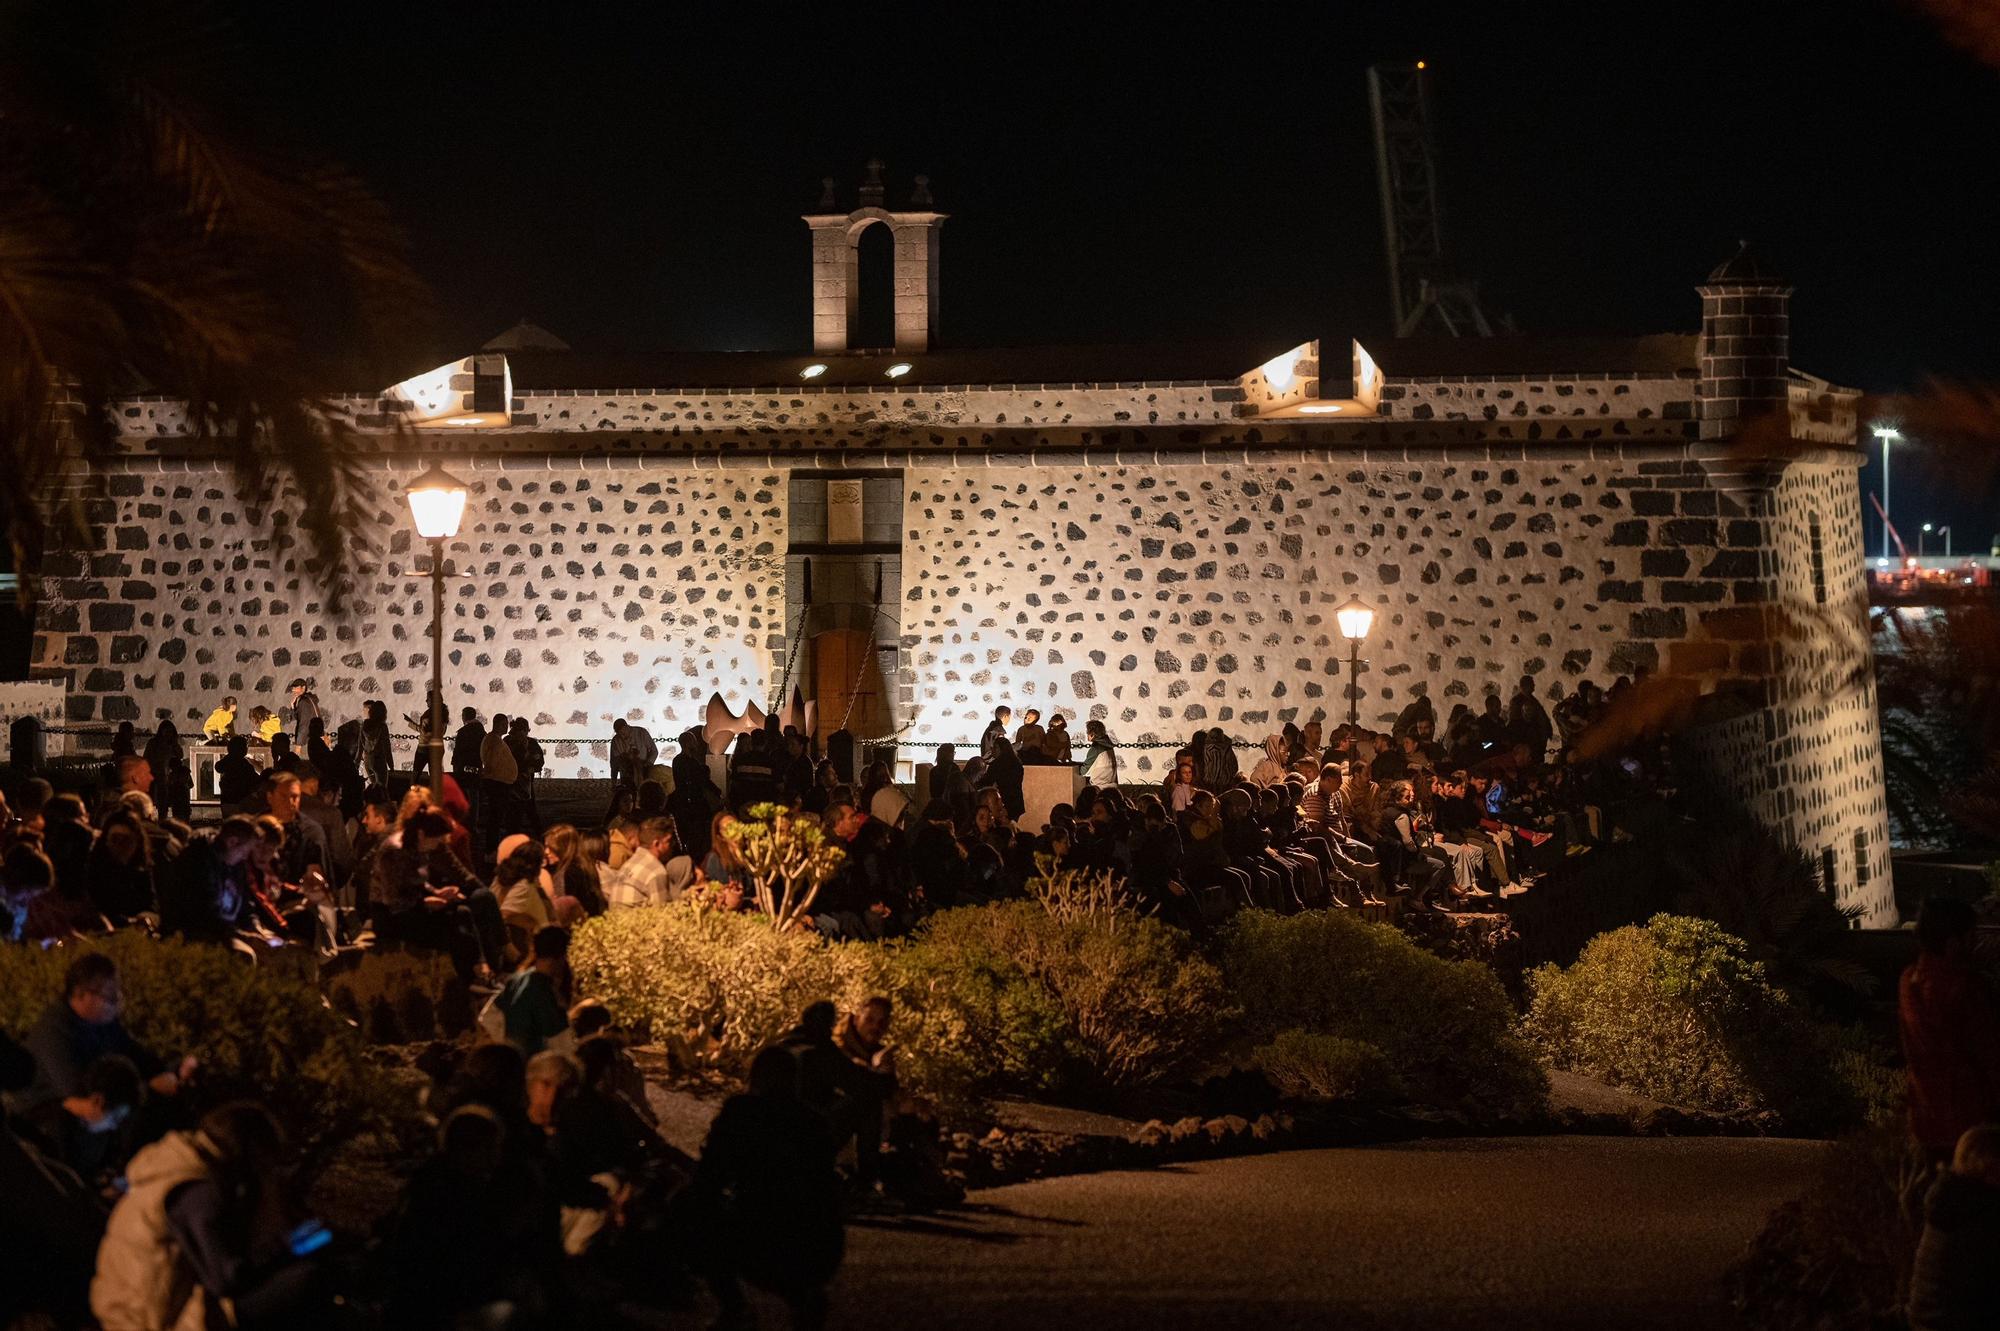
point(874, 287)
point(846, 254)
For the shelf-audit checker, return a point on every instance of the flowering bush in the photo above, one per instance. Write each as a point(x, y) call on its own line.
point(717, 986)
point(1675, 1009)
point(1445, 1029)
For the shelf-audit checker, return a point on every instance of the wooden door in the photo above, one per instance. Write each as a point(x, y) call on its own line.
point(847, 681)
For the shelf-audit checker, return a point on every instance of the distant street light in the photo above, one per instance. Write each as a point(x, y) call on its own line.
point(1888, 435)
point(437, 505)
point(1355, 619)
point(1944, 531)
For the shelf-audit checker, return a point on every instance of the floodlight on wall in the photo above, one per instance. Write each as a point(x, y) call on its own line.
point(437, 503)
point(1319, 409)
point(1280, 372)
point(813, 371)
point(899, 369)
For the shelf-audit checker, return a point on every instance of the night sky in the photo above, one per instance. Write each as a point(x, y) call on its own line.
point(630, 176)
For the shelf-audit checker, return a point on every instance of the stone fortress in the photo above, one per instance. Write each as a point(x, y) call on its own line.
point(1156, 537)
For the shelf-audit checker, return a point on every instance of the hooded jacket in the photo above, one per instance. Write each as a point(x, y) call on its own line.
point(143, 1280)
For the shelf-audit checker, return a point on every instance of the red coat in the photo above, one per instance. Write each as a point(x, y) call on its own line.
point(1951, 1050)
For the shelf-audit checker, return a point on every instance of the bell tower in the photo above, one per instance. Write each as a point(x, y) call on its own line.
point(836, 264)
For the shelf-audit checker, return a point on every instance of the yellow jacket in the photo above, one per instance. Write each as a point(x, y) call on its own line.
point(274, 725)
point(221, 721)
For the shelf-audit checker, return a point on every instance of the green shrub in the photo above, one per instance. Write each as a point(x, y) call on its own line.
point(1018, 999)
point(716, 984)
point(257, 1032)
point(1445, 1028)
point(1675, 1009)
point(1306, 1066)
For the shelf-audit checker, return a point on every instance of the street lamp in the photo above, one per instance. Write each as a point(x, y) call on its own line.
point(437, 505)
point(1887, 434)
point(1355, 619)
point(1944, 531)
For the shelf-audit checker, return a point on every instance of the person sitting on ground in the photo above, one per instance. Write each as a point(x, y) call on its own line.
point(74, 1033)
point(655, 874)
point(50, 1225)
point(118, 880)
point(221, 723)
point(473, 1242)
point(67, 841)
point(1955, 1281)
point(767, 1198)
point(205, 893)
point(532, 1004)
point(202, 1237)
point(863, 1036)
point(425, 895)
point(936, 860)
point(86, 1136)
point(1178, 790)
point(612, 1071)
point(576, 872)
point(722, 874)
point(518, 883)
point(1950, 1031)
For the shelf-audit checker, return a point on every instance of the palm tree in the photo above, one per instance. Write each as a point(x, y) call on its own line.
point(149, 242)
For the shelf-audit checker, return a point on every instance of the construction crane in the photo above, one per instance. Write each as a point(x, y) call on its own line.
point(1425, 294)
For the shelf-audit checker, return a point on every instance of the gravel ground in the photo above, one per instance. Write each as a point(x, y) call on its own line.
point(1529, 1232)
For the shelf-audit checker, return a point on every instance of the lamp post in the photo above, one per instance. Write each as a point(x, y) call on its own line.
point(437, 505)
point(1944, 531)
point(1888, 435)
point(1355, 619)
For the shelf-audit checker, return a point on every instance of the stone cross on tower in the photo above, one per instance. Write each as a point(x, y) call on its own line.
point(836, 264)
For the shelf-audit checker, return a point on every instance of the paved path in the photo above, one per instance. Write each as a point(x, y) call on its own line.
point(1540, 1233)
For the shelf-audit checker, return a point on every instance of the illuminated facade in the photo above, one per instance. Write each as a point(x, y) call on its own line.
point(1157, 537)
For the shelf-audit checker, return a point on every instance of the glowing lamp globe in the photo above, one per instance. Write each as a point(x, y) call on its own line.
point(1356, 618)
point(437, 503)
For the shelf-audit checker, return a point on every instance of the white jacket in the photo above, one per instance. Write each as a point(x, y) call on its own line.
point(142, 1283)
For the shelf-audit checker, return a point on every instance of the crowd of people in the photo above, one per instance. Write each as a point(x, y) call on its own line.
point(313, 848)
point(549, 1196)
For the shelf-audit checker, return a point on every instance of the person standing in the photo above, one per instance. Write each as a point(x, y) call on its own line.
point(305, 709)
point(1950, 1030)
point(497, 774)
point(172, 777)
point(996, 732)
point(633, 754)
point(528, 764)
point(377, 753)
point(465, 748)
